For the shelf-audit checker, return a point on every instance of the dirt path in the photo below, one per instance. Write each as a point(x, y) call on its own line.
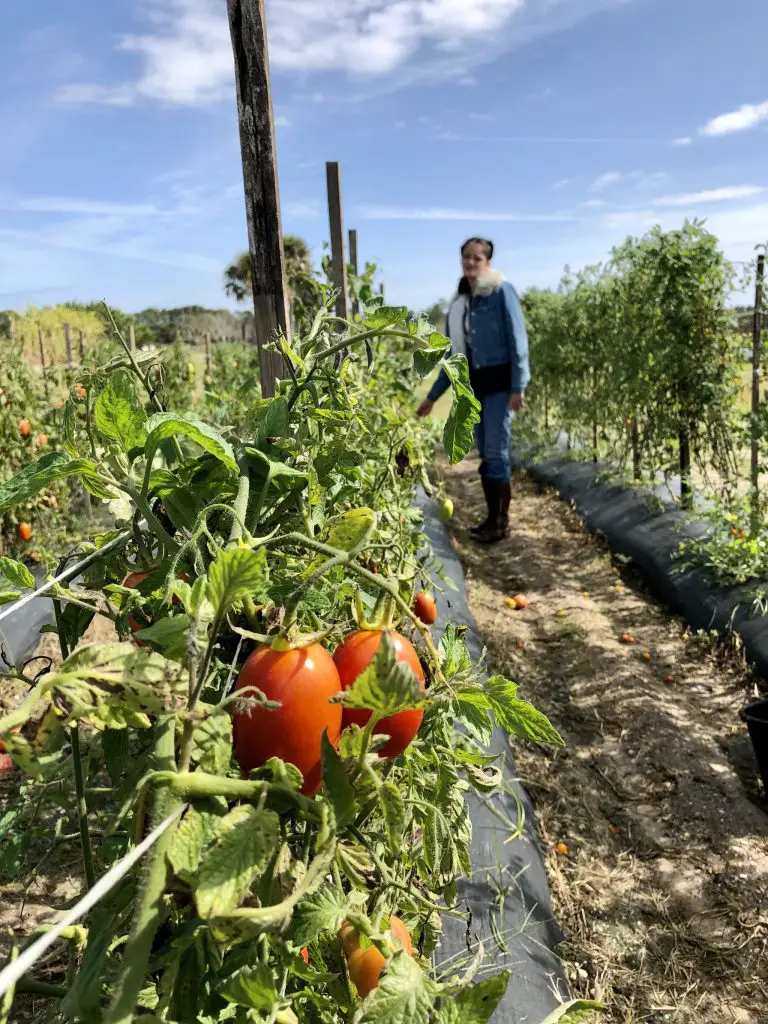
point(661, 885)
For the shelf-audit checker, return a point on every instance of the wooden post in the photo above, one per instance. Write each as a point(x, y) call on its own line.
point(757, 326)
point(131, 337)
point(381, 289)
point(42, 358)
point(338, 261)
point(207, 353)
point(686, 484)
point(247, 28)
point(355, 269)
point(68, 345)
point(636, 467)
point(82, 348)
point(594, 414)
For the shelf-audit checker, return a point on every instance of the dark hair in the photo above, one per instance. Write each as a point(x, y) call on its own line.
point(464, 288)
point(486, 244)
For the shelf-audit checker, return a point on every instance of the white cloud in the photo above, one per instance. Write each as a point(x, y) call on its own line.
point(91, 207)
point(609, 178)
point(562, 183)
point(449, 214)
point(747, 116)
point(712, 195)
point(684, 140)
point(186, 57)
point(595, 203)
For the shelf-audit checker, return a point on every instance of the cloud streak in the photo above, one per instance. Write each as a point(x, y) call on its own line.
point(437, 213)
point(747, 116)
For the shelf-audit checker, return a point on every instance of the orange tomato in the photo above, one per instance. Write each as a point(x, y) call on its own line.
point(352, 657)
point(365, 965)
point(305, 955)
point(425, 608)
point(6, 764)
point(41, 440)
point(25, 532)
point(24, 428)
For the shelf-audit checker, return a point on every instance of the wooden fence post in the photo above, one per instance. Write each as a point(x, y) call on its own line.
point(354, 266)
point(82, 348)
point(336, 219)
point(42, 358)
point(247, 28)
point(636, 466)
point(68, 345)
point(757, 326)
point(207, 353)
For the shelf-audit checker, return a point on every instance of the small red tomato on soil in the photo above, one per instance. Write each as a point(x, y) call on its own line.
point(521, 601)
point(6, 764)
point(627, 638)
point(25, 532)
point(647, 655)
point(352, 657)
point(303, 680)
point(669, 679)
point(24, 428)
point(365, 965)
point(562, 849)
point(425, 608)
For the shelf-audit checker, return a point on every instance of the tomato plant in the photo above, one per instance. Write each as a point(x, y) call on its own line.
point(197, 753)
point(366, 964)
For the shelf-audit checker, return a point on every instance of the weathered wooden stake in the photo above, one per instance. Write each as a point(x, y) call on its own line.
point(247, 28)
point(68, 345)
point(207, 353)
point(757, 327)
point(354, 266)
point(81, 345)
point(42, 358)
point(336, 219)
point(131, 337)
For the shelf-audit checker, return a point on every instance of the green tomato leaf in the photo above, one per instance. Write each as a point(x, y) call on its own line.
point(165, 425)
point(234, 575)
point(243, 843)
point(426, 359)
point(404, 995)
point(377, 319)
point(346, 533)
point(18, 575)
point(9, 596)
point(340, 790)
point(518, 717)
point(170, 634)
point(275, 421)
point(574, 1012)
point(393, 812)
point(476, 1004)
point(323, 911)
point(118, 413)
point(196, 831)
point(387, 685)
point(252, 987)
point(116, 750)
point(41, 474)
point(212, 741)
point(458, 436)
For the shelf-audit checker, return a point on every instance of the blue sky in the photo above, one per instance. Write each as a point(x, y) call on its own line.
point(555, 127)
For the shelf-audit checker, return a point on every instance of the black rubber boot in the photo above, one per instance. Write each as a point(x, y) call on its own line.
point(497, 527)
point(482, 527)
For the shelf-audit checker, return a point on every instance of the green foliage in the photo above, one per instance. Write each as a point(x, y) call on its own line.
point(262, 525)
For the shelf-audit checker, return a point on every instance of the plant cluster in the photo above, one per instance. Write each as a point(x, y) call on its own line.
point(274, 730)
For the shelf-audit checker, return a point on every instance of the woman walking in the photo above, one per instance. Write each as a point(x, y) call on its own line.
point(485, 322)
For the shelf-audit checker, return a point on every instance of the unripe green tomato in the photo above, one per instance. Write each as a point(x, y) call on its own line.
point(445, 510)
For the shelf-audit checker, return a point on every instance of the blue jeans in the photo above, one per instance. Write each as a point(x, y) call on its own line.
point(492, 436)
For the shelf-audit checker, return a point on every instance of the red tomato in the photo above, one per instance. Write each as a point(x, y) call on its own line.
point(6, 764)
point(303, 680)
point(425, 608)
point(25, 531)
point(133, 579)
point(353, 656)
point(305, 955)
point(24, 428)
point(366, 965)
point(41, 440)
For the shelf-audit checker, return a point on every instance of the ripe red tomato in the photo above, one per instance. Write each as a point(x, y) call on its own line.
point(133, 579)
point(303, 680)
point(353, 656)
point(366, 965)
point(305, 955)
point(425, 608)
point(6, 764)
point(24, 428)
point(25, 532)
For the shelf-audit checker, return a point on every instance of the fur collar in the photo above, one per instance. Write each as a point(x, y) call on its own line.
point(489, 282)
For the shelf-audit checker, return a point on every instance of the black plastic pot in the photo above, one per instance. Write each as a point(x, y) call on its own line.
point(756, 717)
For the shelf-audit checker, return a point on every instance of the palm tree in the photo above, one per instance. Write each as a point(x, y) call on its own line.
point(298, 269)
